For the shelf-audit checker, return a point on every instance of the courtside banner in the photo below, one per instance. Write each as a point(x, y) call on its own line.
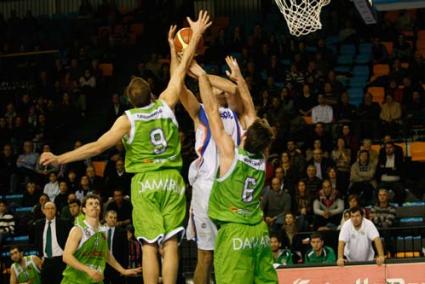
point(405, 273)
point(357, 274)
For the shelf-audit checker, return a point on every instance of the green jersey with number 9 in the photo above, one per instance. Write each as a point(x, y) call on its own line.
point(235, 197)
point(153, 142)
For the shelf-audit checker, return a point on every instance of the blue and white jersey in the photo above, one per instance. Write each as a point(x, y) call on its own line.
point(206, 165)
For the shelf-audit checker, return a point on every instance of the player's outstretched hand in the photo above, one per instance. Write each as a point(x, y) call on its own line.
point(171, 34)
point(235, 71)
point(202, 24)
point(196, 70)
point(95, 275)
point(380, 260)
point(132, 271)
point(48, 158)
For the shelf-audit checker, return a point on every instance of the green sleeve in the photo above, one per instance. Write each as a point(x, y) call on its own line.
point(289, 258)
point(331, 258)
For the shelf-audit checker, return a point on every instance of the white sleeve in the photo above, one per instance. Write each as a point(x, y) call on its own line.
point(372, 232)
point(344, 234)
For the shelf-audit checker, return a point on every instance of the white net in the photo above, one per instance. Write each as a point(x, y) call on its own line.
point(302, 16)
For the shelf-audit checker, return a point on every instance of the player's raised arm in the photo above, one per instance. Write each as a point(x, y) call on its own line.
point(173, 90)
point(110, 138)
point(187, 98)
point(225, 145)
point(249, 113)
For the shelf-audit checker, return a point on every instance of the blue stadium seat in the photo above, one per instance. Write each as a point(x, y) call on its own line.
point(365, 48)
point(23, 209)
point(345, 59)
point(342, 69)
point(348, 49)
point(363, 58)
point(361, 70)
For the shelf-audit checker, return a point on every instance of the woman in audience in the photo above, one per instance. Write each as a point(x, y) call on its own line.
point(342, 158)
point(362, 178)
point(303, 206)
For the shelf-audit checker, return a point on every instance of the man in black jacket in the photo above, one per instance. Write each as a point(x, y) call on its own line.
point(118, 246)
point(50, 238)
point(389, 171)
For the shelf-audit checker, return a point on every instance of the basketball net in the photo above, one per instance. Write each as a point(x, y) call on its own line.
point(302, 16)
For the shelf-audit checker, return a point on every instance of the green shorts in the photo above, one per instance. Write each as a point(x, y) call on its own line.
point(159, 205)
point(243, 255)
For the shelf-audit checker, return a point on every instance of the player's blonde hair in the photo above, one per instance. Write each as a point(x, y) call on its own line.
point(138, 92)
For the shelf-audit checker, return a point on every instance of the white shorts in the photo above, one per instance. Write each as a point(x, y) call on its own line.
point(200, 227)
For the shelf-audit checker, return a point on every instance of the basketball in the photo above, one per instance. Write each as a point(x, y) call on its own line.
point(182, 39)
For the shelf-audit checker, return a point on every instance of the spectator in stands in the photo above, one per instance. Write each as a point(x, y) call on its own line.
point(355, 240)
point(50, 237)
point(84, 188)
point(280, 256)
point(24, 269)
point(95, 182)
point(118, 246)
point(275, 204)
point(322, 112)
point(368, 117)
point(7, 170)
point(312, 182)
point(320, 163)
point(65, 212)
point(118, 179)
point(26, 163)
point(402, 49)
point(52, 187)
point(345, 112)
point(37, 210)
point(390, 114)
point(61, 199)
point(362, 177)
point(390, 171)
point(115, 110)
point(305, 103)
point(373, 155)
point(327, 207)
point(317, 145)
point(288, 171)
point(296, 157)
point(7, 222)
point(72, 181)
point(383, 214)
point(319, 253)
point(289, 230)
point(380, 54)
point(5, 133)
point(122, 206)
point(320, 133)
point(415, 109)
point(303, 205)
point(341, 156)
point(31, 195)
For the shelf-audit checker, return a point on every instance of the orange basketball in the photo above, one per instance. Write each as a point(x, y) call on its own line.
point(182, 39)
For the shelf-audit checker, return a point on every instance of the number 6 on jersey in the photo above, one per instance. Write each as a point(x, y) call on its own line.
point(248, 191)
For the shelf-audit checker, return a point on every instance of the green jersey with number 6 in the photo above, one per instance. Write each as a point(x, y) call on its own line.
point(235, 197)
point(153, 142)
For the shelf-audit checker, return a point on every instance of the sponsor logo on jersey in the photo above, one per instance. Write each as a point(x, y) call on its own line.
point(167, 184)
point(226, 115)
point(251, 243)
point(149, 116)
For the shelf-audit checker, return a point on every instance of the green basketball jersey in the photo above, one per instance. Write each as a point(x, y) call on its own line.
point(235, 197)
point(92, 251)
point(154, 141)
point(30, 273)
point(284, 257)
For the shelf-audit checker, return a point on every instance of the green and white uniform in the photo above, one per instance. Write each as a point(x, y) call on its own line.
point(92, 251)
point(29, 273)
point(157, 188)
point(283, 258)
point(242, 248)
point(327, 256)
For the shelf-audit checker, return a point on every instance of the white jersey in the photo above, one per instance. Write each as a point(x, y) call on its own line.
point(206, 165)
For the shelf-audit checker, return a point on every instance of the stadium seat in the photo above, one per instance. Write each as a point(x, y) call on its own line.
point(378, 94)
point(389, 46)
point(107, 69)
point(380, 70)
point(345, 59)
point(347, 49)
point(99, 167)
point(417, 151)
point(365, 48)
point(363, 58)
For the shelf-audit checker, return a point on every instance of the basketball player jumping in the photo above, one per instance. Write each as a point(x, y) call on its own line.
point(242, 246)
point(150, 135)
point(203, 170)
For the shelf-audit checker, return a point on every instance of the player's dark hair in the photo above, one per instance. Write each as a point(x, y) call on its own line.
point(90, 196)
point(356, 209)
point(138, 92)
point(316, 235)
point(258, 137)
